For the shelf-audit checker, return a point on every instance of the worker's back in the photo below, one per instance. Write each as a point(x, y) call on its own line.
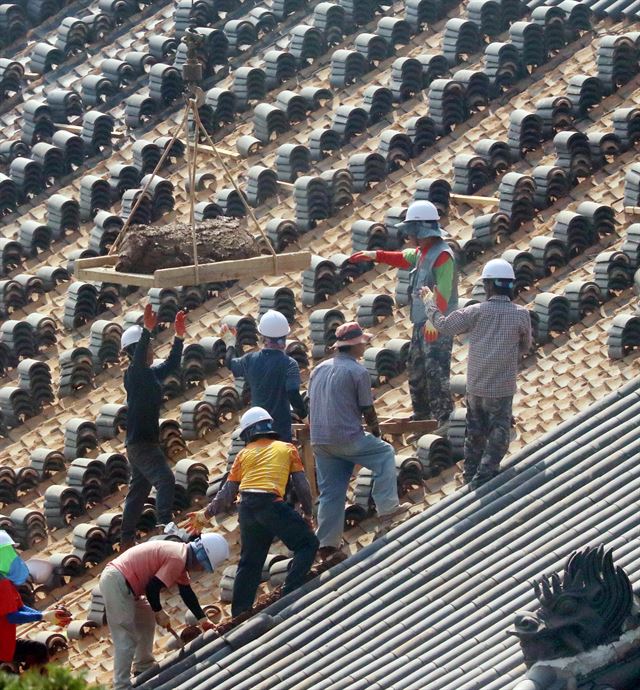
point(495, 346)
point(270, 374)
point(265, 465)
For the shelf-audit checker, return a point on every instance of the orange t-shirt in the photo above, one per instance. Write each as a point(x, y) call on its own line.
point(166, 560)
point(265, 465)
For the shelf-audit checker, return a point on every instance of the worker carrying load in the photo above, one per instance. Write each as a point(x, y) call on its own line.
point(131, 585)
point(22, 653)
point(273, 376)
point(499, 335)
point(149, 466)
point(432, 265)
point(260, 473)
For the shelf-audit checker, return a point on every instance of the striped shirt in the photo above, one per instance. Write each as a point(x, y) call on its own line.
point(338, 390)
point(265, 465)
point(499, 334)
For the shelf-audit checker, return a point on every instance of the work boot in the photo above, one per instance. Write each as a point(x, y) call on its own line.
point(442, 430)
point(331, 554)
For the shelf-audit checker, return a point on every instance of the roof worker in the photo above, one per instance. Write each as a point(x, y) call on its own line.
point(433, 265)
point(14, 572)
point(149, 466)
point(500, 334)
point(131, 585)
point(260, 473)
point(273, 376)
point(339, 397)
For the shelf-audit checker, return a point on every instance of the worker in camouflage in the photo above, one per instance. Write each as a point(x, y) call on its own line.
point(433, 265)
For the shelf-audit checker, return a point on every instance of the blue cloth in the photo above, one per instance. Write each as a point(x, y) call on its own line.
point(273, 377)
point(24, 615)
point(334, 466)
point(144, 391)
point(18, 572)
point(338, 390)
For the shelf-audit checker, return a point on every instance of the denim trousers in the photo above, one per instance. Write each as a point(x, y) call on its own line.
point(263, 517)
point(132, 625)
point(149, 467)
point(334, 467)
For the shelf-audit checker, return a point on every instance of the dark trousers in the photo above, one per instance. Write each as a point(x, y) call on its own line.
point(429, 368)
point(488, 435)
point(149, 467)
point(262, 518)
point(30, 653)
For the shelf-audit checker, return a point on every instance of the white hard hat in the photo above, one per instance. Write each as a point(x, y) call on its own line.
point(5, 539)
point(273, 324)
point(253, 416)
point(498, 269)
point(130, 336)
point(216, 548)
point(422, 210)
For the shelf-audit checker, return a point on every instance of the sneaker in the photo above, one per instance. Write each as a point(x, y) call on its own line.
point(400, 510)
point(482, 477)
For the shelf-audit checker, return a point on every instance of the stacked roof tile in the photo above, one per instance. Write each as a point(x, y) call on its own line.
point(341, 114)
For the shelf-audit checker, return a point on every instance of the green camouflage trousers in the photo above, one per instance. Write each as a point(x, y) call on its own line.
point(488, 434)
point(429, 368)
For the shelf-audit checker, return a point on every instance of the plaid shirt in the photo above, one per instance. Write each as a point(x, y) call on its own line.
point(500, 333)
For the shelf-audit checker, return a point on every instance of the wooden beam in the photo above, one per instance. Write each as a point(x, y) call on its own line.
point(96, 261)
point(632, 210)
point(102, 269)
point(233, 270)
point(396, 427)
point(224, 152)
point(105, 274)
point(285, 184)
point(472, 199)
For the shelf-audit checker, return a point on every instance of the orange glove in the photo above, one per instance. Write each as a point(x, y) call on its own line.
point(207, 625)
point(150, 318)
point(359, 257)
point(179, 324)
point(430, 333)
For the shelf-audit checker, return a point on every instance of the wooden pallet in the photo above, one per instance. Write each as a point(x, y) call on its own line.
point(102, 269)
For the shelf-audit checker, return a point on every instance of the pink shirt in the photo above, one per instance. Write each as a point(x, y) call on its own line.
point(166, 560)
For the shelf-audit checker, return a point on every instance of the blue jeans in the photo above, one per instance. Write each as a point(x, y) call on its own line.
point(149, 467)
point(263, 517)
point(334, 467)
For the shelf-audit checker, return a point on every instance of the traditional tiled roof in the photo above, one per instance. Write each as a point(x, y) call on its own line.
point(579, 358)
point(428, 605)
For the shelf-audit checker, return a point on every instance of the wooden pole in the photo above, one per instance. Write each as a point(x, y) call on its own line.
point(118, 241)
point(303, 437)
point(192, 158)
point(231, 179)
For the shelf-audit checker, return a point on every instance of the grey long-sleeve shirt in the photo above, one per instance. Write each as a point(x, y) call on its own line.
point(500, 334)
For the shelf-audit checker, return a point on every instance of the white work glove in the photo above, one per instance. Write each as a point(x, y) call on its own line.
point(229, 335)
point(366, 255)
point(57, 616)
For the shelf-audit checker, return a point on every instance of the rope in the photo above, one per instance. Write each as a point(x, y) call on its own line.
point(248, 209)
point(191, 168)
point(118, 241)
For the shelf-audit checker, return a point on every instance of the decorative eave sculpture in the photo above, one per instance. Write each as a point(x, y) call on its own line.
point(585, 634)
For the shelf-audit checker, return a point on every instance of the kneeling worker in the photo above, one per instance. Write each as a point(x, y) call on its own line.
point(144, 570)
point(260, 472)
point(500, 334)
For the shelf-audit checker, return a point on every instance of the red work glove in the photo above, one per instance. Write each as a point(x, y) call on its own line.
point(359, 257)
point(179, 324)
point(207, 625)
point(430, 333)
point(150, 318)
